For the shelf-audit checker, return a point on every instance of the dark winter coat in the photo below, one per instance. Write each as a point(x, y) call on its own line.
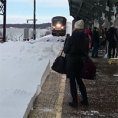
point(75, 48)
point(95, 37)
point(111, 34)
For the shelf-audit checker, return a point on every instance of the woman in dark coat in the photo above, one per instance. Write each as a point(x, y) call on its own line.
point(75, 48)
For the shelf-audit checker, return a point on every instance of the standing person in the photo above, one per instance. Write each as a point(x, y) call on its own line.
point(116, 36)
point(88, 32)
point(95, 42)
point(112, 42)
point(75, 48)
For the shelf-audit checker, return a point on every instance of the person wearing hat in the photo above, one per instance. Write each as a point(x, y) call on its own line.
point(75, 49)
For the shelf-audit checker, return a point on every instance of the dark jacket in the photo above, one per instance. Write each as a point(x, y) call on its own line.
point(111, 34)
point(75, 48)
point(95, 37)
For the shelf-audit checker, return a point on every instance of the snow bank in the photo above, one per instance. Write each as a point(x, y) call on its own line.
point(22, 67)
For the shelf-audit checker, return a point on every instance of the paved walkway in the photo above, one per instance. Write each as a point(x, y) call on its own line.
point(49, 103)
point(102, 94)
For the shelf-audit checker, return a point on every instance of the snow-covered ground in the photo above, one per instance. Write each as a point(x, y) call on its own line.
point(22, 65)
point(17, 34)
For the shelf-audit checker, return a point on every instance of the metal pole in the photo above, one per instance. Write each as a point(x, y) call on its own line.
point(34, 26)
point(4, 22)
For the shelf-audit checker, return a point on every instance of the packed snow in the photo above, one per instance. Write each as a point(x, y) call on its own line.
point(22, 64)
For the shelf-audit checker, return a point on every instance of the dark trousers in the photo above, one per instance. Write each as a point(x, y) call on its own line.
point(74, 80)
point(74, 65)
point(95, 50)
point(111, 48)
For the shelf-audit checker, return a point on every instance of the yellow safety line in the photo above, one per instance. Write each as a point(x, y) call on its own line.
point(59, 104)
point(113, 60)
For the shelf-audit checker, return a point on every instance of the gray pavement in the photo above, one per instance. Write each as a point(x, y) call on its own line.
point(102, 95)
point(46, 103)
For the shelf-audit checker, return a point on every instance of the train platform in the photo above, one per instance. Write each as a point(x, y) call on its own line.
point(53, 100)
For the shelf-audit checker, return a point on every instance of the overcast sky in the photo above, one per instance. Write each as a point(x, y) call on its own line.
point(20, 10)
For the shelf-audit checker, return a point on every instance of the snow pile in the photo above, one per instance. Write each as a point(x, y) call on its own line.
point(21, 67)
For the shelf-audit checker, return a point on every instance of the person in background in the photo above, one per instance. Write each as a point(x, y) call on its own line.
point(112, 42)
point(116, 36)
point(75, 48)
point(88, 33)
point(95, 42)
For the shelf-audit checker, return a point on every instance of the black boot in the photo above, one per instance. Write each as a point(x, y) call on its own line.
point(84, 102)
point(73, 104)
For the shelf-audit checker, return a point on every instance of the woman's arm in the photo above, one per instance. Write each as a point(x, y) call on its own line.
point(67, 45)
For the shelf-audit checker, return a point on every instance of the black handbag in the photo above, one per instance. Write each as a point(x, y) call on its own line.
point(59, 64)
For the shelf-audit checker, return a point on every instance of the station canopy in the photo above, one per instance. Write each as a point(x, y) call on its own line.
point(90, 9)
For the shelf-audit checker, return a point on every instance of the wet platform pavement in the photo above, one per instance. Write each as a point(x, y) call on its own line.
point(53, 100)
